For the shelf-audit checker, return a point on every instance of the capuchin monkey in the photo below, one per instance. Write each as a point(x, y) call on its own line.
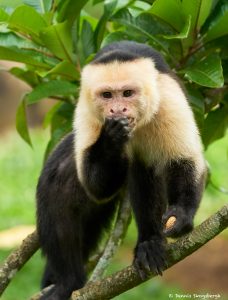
point(134, 132)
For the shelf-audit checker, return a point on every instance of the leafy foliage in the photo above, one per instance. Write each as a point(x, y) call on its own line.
point(54, 39)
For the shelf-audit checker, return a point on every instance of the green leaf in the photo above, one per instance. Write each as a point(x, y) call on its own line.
point(115, 37)
point(27, 76)
point(9, 39)
point(25, 19)
point(51, 88)
point(21, 123)
point(10, 3)
point(146, 24)
point(184, 32)
point(41, 6)
point(169, 11)
point(207, 72)
point(49, 115)
point(215, 125)
point(101, 26)
point(196, 100)
point(87, 36)
point(13, 55)
point(61, 124)
point(65, 69)
point(70, 9)
point(204, 11)
point(198, 10)
point(218, 25)
point(3, 15)
point(57, 38)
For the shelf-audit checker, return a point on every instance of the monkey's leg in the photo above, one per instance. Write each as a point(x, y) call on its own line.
point(99, 220)
point(146, 194)
point(64, 254)
point(184, 193)
point(48, 276)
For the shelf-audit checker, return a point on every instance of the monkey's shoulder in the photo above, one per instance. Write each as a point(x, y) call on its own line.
point(61, 161)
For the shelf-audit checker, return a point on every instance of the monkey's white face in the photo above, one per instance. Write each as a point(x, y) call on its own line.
point(121, 90)
point(118, 100)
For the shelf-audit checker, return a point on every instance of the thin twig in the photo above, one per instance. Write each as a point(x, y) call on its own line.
point(116, 238)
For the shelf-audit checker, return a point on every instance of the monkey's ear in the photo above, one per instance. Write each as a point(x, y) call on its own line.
point(176, 222)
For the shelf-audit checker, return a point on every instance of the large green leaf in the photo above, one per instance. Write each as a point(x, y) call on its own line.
point(13, 55)
point(169, 11)
point(70, 9)
point(27, 20)
point(215, 125)
point(51, 88)
point(57, 38)
point(65, 69)
point(101, 26)
point(207, 72)
point(87, 36)
point(30, 77)
point(199, 11)
point(184, 32)
point(146, 24)
point(9, 39)
point(21, 122)
point(218, 25)
point(204, 11)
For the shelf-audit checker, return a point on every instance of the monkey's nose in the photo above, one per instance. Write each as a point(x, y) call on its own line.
point(118, 111)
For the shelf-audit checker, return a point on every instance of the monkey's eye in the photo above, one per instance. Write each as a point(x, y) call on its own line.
point(128, 93)
point(106, 95)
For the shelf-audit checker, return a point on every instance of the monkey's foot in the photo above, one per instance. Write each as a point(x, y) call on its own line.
point(150, 257)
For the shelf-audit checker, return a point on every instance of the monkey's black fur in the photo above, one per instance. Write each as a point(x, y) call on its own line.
point(70, 222)
point(129, 51)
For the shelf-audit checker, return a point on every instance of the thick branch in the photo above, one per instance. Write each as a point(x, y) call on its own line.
point(128, 278)
point(17, 259)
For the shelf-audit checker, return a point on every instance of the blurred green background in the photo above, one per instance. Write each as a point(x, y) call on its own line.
point(19, 170)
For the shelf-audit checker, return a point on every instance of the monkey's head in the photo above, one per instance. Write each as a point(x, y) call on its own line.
point(121, 89)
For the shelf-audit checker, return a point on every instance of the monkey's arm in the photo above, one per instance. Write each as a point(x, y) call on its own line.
point(148, 203)
point(184, 190)
point(104, 164)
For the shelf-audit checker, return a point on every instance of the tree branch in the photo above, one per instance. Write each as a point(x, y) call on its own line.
point(15, 261)
point(118, 233)
point(128, 278)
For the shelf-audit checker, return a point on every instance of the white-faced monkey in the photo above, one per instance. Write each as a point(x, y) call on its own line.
point(133, 131)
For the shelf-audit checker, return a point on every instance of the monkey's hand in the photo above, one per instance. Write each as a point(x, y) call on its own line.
point(182, 224)
point(150, 257)
point(117, 129)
